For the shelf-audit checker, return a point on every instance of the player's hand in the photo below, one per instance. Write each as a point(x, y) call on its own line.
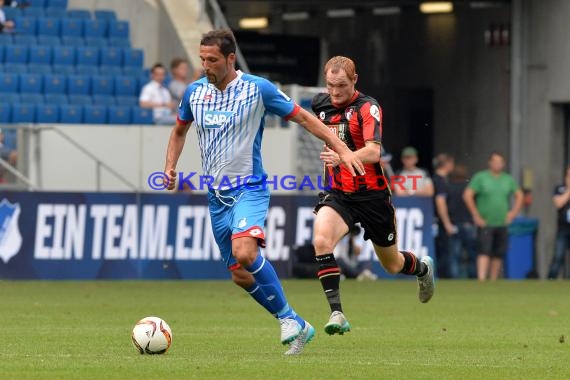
point(351, 161)
point(479, 222)
point(330, 157)
point(510, 216)
point(450, 229)
point(171, 173)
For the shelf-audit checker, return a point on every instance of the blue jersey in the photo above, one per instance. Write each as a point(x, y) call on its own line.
point(229, 125)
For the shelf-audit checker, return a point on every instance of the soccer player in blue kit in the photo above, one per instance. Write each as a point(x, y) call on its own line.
point(227, 108)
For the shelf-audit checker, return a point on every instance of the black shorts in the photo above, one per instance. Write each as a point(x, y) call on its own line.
point(372, 209)
point(493, 241)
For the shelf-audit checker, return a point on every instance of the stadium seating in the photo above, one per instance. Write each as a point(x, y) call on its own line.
point(70, 66)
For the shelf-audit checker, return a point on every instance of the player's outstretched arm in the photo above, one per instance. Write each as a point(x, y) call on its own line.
point(175, 146)
point(318, 129)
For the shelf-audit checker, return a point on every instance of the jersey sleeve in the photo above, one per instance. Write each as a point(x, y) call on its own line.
point(275, 100)
point(184, 112)
point(371, 114)
point(514, 185)
point(146, 94)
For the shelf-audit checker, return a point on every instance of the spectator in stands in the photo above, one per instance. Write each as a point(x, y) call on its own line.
point(443, 164)
point(6, 26)
point(179, 70)
point(561, 201)
point(464, 239)
point(7, 154)
point(487, 197)
point(157, 97)
point(416, 180)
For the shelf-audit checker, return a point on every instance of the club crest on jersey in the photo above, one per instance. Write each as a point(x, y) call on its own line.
point(215, 119)
point(349, 112)
point(322, 115)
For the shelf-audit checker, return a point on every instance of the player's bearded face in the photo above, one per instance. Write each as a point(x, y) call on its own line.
point(215, 65)
point(340, 87)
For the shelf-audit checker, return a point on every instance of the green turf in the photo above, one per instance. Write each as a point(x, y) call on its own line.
point(470, 330)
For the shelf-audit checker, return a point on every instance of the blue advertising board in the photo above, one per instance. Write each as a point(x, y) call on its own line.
point(47, 235)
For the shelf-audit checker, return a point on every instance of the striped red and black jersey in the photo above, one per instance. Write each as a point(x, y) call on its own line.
point(354, 124)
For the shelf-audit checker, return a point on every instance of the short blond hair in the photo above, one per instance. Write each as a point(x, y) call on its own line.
point(335, 64)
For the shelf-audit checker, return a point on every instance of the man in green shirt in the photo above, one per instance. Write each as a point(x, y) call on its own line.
point(488, 199)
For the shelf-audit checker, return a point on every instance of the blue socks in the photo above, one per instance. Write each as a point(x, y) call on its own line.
point(267, 290)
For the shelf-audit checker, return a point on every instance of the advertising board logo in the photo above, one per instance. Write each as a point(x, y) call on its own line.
point(10, 237)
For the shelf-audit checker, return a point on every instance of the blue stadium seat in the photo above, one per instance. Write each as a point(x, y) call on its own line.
point(104, 100)
point(56, 13)
point(5, 111)
point(63, 69)
point(78, 85)
point(31, 84)
point(133, 57)
point(38, 68)
point(24, 39)
point(47, 113)
point(126, 86)
point(26, 25)
point(37, 3)
point(82, 14)
point(40, 54)
point(105, 14)
point(95, 114)
point(5, 39)
point(55, 84)
point(73, 41)
point(8, 82)
point(15, 54)
point(95, 28)
point(49, 40)
point(87, 56)
point(1, 54)
point(57, 4)
point(87, 70)
point(71, 27)
point(33, 12)
point(56, 99)
point(80, 100)
point(134, 71)
point(127, 101)
point(110, 70)
point(23, 113)
point(102, 85)
point(111, 56)
point(63, 55)
point(119, 42)
point(118, 29)
point(32, 98)
point(12, 13)
point(48, 27)
point(97, 42)
point(15, 68)
point(141, 82)
point(70, 114)
point(9, 97)
point(119, 115)
point(141, 115)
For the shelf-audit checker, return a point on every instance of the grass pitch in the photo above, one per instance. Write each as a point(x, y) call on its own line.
point(469, 330)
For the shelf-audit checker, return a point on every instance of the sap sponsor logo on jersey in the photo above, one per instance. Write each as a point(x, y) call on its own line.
point(150, 232)
point(10, 236)
point(215, 119)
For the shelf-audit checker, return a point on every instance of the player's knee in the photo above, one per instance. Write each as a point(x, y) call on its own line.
point(323, 243)
point(244, 251)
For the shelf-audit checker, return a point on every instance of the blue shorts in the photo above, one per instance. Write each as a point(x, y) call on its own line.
point(237, 213)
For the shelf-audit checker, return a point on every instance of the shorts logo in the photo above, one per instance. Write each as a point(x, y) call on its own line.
point(255, 232)
point(242, 223)
point(391, 237)
point(322, 115)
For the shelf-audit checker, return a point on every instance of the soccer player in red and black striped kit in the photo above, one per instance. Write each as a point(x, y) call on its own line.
point(357, 120)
